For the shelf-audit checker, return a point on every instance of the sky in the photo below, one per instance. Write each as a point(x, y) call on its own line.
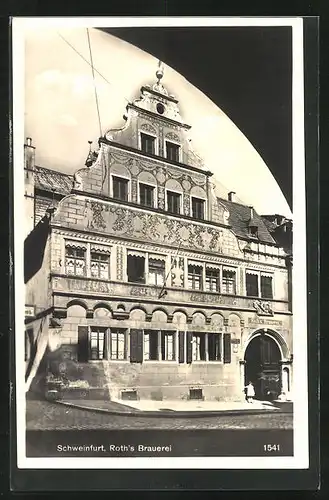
point(61, 112)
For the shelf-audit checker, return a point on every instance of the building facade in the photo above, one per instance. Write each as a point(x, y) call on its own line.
point(142, 283)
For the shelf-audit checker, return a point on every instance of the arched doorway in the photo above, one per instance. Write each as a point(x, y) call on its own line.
point(262, 366)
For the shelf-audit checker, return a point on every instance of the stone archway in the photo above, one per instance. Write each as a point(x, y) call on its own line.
point(263, 361)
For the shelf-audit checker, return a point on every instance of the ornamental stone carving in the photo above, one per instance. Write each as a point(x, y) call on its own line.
point(177, 272)
point(263, 308)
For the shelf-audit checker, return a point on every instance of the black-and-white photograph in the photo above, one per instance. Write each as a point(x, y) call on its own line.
point(159, 186)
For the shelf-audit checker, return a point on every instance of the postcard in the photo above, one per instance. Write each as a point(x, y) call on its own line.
point(160, 243)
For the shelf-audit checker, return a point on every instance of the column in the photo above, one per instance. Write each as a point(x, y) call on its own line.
point(206, 346)
point(146, 268)
point(88, 273)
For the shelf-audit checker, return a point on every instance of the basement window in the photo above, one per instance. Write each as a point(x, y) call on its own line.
point(196, 394)
point(129, 395)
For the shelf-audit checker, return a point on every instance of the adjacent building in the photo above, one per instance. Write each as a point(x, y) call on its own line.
point(142, 283)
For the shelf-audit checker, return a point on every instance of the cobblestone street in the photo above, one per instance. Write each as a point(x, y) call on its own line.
point(42, 415)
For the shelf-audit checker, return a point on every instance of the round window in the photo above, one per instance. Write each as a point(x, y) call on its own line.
point(160, 108)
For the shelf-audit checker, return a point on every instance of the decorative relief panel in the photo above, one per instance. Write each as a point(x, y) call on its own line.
point(263, 308)
point(156, 228)
point(186, 204)
point(134, 190)
point(161, 197)
point(161, 141)
point(177, 271)
point(148, 128)
point(119, 263)
point(171, 136)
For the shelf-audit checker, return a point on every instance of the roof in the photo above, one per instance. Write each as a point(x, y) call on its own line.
point(271, 226)
point(239, 219)
point(50, 180)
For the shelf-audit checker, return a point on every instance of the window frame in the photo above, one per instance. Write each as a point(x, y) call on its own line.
point(160, 334)
point(150, 134)
point(125, 332)
point(145, 266)
point(125, 178)
point(180, 193)
point(148, 270)
point(259, 275)
point(85, 259)
point(174, 143)
point(108, 257)
point(99, 329)
point(210, 268)
point(89, 247)
point(204, 200)
point(232, 269)
point(202, 276)
point(155, 200)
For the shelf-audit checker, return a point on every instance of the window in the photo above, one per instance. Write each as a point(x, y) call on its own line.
point(156, 274)
point(146, 195)
point(198, 347)
point(160, 108)
point(151, 345)
point(97, 343)
point(136, 269)
point(228, 281)
point(214, 347)
point(75, 260)
point(212, 280)
point(99, 265)
point(252, 285)
point(167, 346)
point(173, 202)
point(266, 287)
point(172, 151)
point(118, 345)
point(197, 208)
point(148, 143)
point(159, 345)
point(195, 277)
point(120, 188)
point(253, 231)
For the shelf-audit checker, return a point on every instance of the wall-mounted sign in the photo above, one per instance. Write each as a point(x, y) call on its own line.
point(264, 321)
point(29, 311)
point(235, 341)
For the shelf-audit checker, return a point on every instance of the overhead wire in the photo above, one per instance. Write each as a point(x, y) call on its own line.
point(104, 78)
point(95, 88)
point(89, 64)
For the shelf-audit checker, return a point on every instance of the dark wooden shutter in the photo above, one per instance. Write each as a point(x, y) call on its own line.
point(136, 346)
point(189, 338)
point(83, 344)
point(227, 348)
point(181, 357)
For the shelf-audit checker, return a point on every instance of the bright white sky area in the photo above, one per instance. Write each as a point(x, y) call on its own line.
point(61, 113)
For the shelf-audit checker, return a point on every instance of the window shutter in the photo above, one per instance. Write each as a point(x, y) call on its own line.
point(83, 344)
point(181, 357)
point(189, 338)
point(136, 346)
point(227, 348)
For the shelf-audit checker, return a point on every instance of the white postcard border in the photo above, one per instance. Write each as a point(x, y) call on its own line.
point(300, 460)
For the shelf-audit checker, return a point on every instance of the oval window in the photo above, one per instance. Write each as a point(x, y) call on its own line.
point(160, 108)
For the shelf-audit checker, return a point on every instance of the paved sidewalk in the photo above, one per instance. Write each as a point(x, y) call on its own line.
point(172, 408)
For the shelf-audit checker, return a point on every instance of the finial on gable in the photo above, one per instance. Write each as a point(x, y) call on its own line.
point(160, 71)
